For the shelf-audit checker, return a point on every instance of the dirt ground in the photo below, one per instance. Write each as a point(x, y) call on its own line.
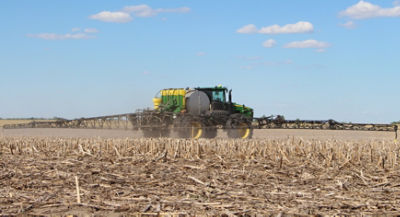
point(280, 172)
point(258, 133)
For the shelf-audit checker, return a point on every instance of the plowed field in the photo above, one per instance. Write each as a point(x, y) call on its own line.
point(292, 172)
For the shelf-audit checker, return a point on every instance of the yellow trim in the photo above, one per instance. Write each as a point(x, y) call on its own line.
point(197, 130)
point(182, 92)
point(173, 92)
point(156, 102)
point(241, 106)
point(246, 135)
point(244, 131)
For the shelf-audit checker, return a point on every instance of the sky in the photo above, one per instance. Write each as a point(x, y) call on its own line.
point(310, 59)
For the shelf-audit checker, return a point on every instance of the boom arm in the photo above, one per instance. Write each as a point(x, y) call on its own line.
point(136, 121)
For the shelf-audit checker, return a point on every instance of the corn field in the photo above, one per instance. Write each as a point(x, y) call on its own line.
point(178, 177)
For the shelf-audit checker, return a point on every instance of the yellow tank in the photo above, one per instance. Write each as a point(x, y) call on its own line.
point(156, 102)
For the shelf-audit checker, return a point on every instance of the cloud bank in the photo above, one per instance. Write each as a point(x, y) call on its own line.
point(248, 29)
point(112, 17)
point(311, 43)
point(86, 34)
point(128, 12)
point(365, 10)
point(299, 27)
point(147, 11)
point(269, 43)
point(349, 25)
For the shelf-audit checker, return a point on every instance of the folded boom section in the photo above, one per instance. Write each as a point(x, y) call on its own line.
point(279, 122)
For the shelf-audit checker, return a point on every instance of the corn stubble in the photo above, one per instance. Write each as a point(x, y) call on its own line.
point(198, 177)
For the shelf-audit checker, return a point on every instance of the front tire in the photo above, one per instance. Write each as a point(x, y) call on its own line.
point(190, 128)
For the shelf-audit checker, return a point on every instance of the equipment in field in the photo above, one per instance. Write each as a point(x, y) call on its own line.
point(199, 113)
point(195, 113)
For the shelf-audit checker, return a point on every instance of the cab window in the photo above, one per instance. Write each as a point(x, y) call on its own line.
point(218, 96)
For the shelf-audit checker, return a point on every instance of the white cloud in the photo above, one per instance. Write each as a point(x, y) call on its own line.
point(76, 34)
point(140, 10)
point(349, 25)
point(307, 44)
point(269, 43)
point(54, 36)
point(201, 54)
point(91, 30)
point(364, 10)
point(299, 27)
point(320, 45)
point(146, 11)
point(248, 29)
point(112, 17)
point(143, 10)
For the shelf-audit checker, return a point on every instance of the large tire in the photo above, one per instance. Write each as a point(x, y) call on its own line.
point(238, 126)
point(190, 128)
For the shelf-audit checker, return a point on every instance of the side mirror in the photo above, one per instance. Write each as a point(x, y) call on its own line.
point(230, 96)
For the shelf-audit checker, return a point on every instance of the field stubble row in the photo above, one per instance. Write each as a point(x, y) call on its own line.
point(259, 176)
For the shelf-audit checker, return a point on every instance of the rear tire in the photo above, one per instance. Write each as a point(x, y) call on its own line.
point(238, 126)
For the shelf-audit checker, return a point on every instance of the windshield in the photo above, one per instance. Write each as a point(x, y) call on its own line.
point(218, 95)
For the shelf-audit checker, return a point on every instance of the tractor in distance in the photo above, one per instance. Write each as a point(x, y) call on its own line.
point(196, 113)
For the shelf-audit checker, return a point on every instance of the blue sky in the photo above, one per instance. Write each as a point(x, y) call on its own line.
point(302, 59)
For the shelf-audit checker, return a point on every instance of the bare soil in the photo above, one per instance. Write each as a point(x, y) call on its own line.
point(258, 133)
